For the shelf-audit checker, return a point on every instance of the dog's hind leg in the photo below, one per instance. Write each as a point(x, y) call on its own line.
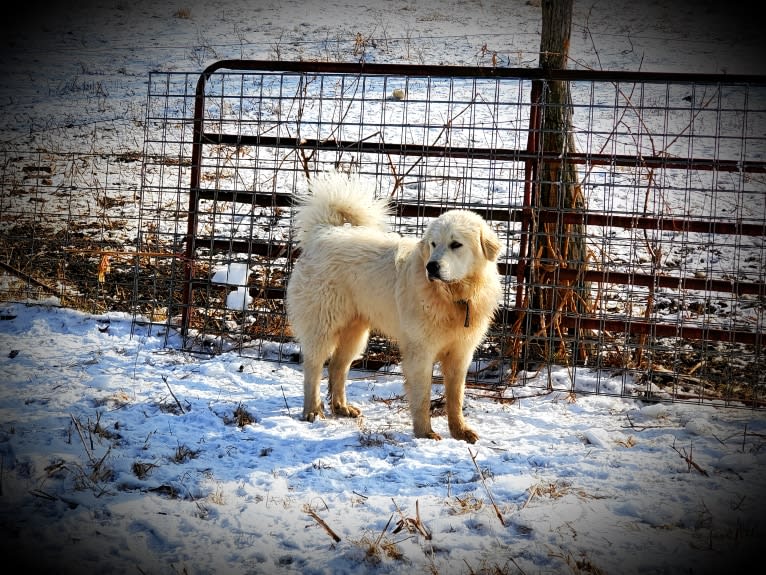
point(313, 363)
point(351, 342)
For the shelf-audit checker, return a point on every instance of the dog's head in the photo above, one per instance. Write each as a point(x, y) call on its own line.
point(457, 245)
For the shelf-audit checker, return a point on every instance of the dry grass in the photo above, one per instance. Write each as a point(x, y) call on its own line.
point(376, 549)
point(142, 469)
point(183, 454)
point(552, 490)
point(579, 566)
point(412, 525)
point(469, 503)
point(239, 417)
point(486, 567)
point(380, 547)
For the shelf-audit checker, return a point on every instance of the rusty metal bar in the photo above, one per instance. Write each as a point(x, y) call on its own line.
point(496, 154)
point(268, 199)
point(567, 75)
point(637, 327)
point(194, 185)
point(670, 282)
point(682, 331)
point(530, 179)
point(650, 223)
point(273, 249)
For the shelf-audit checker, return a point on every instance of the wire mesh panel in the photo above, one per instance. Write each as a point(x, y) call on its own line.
point(673, 177)
point(65, 224)
point(158, 290)
point(670, 170)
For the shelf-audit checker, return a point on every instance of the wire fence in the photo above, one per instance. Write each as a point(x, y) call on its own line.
point(68, 224)
point(671, 169)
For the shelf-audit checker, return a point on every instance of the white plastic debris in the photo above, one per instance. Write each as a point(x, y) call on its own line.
point(233, 274)
point(239, 299)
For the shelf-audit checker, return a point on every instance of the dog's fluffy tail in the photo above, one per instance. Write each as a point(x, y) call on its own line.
point(335, 199)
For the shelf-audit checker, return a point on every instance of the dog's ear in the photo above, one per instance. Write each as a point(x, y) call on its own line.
point(425, 253)
point(490, 243)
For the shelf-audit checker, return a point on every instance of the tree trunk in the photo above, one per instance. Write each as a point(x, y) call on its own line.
point(556, 245)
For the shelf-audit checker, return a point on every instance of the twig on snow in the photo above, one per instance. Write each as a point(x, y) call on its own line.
point(484, 483)
point(411, 524)
point(82, 438)
point(321, 522)
point(285, 398)
point(640, 428)
point(689, 460)
point(178, 403)
point(382, 533)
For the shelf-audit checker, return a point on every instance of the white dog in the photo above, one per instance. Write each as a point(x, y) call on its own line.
point(435, 296)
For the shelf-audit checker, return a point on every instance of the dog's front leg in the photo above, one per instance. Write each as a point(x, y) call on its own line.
point(454, 369)
point(417, 381)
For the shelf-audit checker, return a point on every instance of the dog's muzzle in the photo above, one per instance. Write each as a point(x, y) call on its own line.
point(433, 271)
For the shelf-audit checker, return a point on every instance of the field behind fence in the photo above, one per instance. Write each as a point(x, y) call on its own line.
point(195, 234)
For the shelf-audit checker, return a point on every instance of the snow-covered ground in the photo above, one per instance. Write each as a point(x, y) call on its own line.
point(120, 455)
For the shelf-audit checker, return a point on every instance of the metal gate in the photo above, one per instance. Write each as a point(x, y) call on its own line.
point(672, 166)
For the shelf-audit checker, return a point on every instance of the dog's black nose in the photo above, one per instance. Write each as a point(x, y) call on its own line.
point(433, 270)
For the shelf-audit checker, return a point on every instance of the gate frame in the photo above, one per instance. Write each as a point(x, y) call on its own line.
point(531, 158)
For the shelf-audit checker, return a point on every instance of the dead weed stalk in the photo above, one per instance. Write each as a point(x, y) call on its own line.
point(486, 488)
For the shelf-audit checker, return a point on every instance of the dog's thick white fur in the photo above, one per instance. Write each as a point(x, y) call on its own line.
point(435, 296)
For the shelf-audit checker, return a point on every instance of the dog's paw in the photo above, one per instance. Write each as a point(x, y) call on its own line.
point(346, 411)
point(429, 435)
point(465, 434)
point(312, 416)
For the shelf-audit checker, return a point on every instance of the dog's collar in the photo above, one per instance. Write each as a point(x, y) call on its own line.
point(467, 304)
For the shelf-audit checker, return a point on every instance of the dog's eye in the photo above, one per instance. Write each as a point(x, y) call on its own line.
point(455, 245)
point(433, 244)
